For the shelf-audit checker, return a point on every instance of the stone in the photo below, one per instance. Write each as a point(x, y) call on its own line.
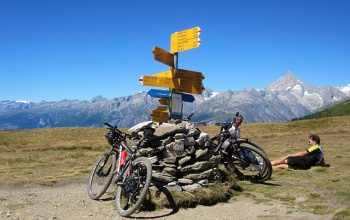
point(201, 152)
point(198, 166)
point(208, 155)
point(166, 129)
point(167, 164)
point(193, 132)
point(172, 183)
point(184, 160)
point(137, 127)
point(163, 177)
point(168, 153)
point(179, 136)
point(185, 181)
point(203, 182)
point(179, 148)
point(201, 175)
point(215, 160)
point(167, 141)
point(191, 188)
point(189, 141)
point(170, 171)
point(170, 160)
point(191, 150)
point(148, 151)
point(203, 137)
point(176, 188)
point(170, 146)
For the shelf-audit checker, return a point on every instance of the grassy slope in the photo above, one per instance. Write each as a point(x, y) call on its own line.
point(341, 109)
point(46, 156)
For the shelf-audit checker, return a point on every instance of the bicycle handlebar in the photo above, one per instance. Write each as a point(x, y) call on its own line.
point(114, 128)
point(106, 123)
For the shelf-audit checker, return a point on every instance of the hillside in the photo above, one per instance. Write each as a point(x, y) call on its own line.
point(340, 109)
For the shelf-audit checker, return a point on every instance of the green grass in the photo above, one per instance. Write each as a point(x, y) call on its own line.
point(341, 109)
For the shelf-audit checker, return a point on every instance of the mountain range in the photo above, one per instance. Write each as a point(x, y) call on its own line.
point(282, 100)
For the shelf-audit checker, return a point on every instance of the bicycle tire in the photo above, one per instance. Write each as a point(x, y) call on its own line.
point(244, 170)
point(250, 142)
point(101, 175)
point(130, 196)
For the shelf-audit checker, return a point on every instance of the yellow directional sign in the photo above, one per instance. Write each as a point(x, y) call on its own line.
point(163, 101)
point(185, 40)
point(159, 116)
point(188, 86)
point(162, 108)
point(181, 73)
point(180, 84)
point(167, 74)
point(190, 75)
point(163, 56)
point(156, 81)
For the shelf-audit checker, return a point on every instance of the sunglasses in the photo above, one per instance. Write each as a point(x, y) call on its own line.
point(311, 141)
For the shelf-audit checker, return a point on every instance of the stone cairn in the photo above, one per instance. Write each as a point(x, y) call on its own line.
point(182, 157)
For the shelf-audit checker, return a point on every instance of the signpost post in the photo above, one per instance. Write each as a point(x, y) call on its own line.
point(178, 81)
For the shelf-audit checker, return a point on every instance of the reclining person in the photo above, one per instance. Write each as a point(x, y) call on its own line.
point(302, 160)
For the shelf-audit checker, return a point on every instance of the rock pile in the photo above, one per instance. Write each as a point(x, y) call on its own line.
point(182, 158)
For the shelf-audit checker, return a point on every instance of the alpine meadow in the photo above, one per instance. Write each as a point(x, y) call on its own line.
point(48, 156)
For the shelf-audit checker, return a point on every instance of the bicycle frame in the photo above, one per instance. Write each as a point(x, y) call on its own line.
point(132, 154)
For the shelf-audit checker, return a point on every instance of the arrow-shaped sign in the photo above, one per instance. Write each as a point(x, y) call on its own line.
point(158, 93)
point(181, 85)
point(163, 56)
point(185, 40)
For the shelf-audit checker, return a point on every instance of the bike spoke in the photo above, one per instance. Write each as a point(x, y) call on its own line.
point(135, 186)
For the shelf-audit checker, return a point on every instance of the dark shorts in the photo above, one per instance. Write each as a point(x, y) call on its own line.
point(301, 163)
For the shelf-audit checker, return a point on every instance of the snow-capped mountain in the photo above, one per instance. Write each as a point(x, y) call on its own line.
point(282, 100)
point(345, 89)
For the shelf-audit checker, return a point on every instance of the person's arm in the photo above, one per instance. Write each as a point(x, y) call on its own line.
point(301, 153)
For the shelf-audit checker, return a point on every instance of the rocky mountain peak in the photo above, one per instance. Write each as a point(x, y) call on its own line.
point(282, 100)
point(97, 98)
point(285, 82)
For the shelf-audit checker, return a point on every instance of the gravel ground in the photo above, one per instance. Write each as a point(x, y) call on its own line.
point(69, 200)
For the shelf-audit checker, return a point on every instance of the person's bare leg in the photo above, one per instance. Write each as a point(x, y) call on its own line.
point(282, 160)
point(280, 167)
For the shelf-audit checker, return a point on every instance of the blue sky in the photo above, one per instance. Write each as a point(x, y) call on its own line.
point(69, 49)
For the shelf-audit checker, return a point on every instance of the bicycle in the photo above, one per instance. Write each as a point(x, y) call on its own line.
point(241, 156)
point(132, 174)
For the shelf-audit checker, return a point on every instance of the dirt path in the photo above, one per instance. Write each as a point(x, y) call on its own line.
point(69, 200)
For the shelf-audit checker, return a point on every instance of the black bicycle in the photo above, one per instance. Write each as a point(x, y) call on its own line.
point(132, 174)
point(241, 156)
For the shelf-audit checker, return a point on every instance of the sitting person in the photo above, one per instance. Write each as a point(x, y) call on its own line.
point(235, 130)
point(304, 159)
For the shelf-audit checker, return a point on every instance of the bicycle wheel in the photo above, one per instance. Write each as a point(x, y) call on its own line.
point(254, 165)
point(135, 186)
point(101, 175)
point(250, 142)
